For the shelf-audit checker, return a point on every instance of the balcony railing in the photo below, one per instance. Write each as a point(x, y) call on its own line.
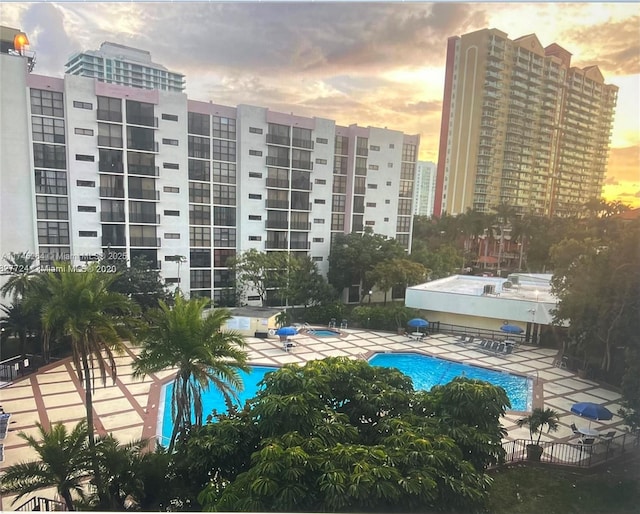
point(277, 161)
point(302, 165)
point(300, 245)
point(104, 115)
point(276, 224)
point(302, 143)
point(300, 206)
point(145, 146)
point(145, 241)
point(144, 194)
point(148, 171)
point(138, 217)
point(278, 140)
point(277, 204)
point(112, 192)
point(276, 245)
point(300, 225)
point(146, 121)
point(113, 142)
point(112, 242)
point(275, 182)
point(111, 167)
point(112, 216)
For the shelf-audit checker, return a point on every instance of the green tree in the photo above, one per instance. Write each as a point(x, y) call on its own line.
point(186, 338)
point(307, 286)
point(538, 420)
point(341, 435)
point(19, 321)
point(80, 306)
point(354, 255)
point(62, 463)
point(400, 273)
point(261, 272)
point(21, 269)
point(630, 410)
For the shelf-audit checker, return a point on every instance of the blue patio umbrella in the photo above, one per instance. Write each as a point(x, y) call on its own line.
point(592, 410)
point(287, 331)
point(418, 323)
point(511, 329)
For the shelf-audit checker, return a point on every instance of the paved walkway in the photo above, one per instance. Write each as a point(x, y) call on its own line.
point(129, 408)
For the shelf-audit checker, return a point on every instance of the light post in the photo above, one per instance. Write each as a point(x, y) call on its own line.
point(370, 293)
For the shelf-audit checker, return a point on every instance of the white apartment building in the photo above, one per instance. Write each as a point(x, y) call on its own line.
point(425, 189)
point(89, 167)
point(119, 64)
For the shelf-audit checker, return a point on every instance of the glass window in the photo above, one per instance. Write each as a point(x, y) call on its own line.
point(53, 233)
point(110, 160)
point(48, 130)
point(52, 207)
point(224, 237)
point(342, 145)
point(49, 156)
point(109, 109)
point(140, 138)
point(109, 135)
point(224, 172)
point(199, 192)
point(338, 203)
point(200, 236)
point(224, 216)
point(199, 215)
point(403, 224)
point(408, 152)
point(224, 127)
point(337, 221)
point(199, 170)
point(220, 257)
point(200, 258)
point(198, 147)
point(47, 103)
point(198, 124)
point(200, 278)
point(404, 206)
point(224, 195)
point(51, 182)
point(224, 150)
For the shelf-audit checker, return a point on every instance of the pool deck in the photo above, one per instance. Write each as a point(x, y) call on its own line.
point(129, 408)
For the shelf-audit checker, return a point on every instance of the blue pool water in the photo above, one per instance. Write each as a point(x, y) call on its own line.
point(323, 333)
point(427, 372)
point(213, 399)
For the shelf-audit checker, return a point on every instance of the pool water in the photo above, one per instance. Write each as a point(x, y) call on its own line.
point(323, 333)
point(427, 372)
point(212, 399)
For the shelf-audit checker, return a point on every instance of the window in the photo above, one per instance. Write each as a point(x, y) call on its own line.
point(340, 184)
point(338, 203)
point(371, 204)
point(198, 147)
point(109, 135)
point(86, 158)
point(387, 202)
point(255, 217)
point(200, 258)
point(340, 166)
point(407, 170)
point(200, 278)
point(199, 215)
point(255, 197)
point(171, 235)
point(318, 239)
point(85, 183)
point(406, 189)
point(49, 156)
point(224, 172)
point(141, 138)
point(257, 153)
point(224, 237)
point(83, 132)
point(224, 195)
point(255, 130)
point(389, 165)
point(255, 174)
point(53, 233)
point(404, 207)
point(359, 185)
point(408, 152)
point(319, 201)
point(86, 208)
point(109, 109)
point(224, 127)
point(171, 213)
point(199, 170)
point(171, 189)
point(142, 163)
point(321, 161)
point(255, 238)
point(362, 144)
point(374, 148)
point(370, 223)
point(141, 113)
point(224, 150)
point(51, 182)
point(88, 233)
point(171, 142)
point(82, 105)
point(52, 208)
point(322, 140)
point(48, 130)
point(320, 181)
point(358, 204)
point(386, 219)
point(170, 166)
point(319, 221)
point(372, 186)
point(220, 257)
point(403, 224)
point(337, 222)
point(388, 182)
point(47, 103)
point(199, 192)
point(342, 145)
point(198, 124)
point(374, 167)
point(200, 236)
point(169, 117)
point(317, 259)
point(391, 145)
point(110, 160)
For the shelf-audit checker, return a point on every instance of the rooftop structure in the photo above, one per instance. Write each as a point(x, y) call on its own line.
point(119, 64)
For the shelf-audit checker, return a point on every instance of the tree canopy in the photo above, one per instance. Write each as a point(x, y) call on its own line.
point(341, 435)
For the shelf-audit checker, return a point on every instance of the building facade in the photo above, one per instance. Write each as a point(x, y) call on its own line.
point(425, 190)
point(520, 126)
point(118, 64)
point(90, 168)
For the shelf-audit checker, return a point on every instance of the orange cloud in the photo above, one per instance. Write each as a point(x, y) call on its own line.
point(624, 164)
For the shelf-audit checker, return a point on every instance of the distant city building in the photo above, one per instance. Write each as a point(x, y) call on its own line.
point(425, 190)
point(520, 126)
point(119, 64)
point(88, 168)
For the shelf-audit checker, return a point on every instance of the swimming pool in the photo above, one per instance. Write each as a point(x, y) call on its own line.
point(211, 399)
point(426, 372)
point(323, 333)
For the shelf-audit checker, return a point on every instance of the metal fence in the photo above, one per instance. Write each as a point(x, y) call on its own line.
point(16, 367)
point(40, 503)
point(575, 454)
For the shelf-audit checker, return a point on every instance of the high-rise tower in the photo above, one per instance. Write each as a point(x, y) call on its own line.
point(520, 126)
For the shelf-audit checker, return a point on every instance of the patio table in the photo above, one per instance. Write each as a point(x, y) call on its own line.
point(589, 432)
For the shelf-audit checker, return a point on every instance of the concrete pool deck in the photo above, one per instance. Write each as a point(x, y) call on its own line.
point(129, 408)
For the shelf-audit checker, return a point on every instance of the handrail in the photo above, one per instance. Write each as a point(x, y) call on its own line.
point(38, 502)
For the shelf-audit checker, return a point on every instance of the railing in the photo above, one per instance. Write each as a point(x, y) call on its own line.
point(15, 367)
point(573, 454)
point(40, 503)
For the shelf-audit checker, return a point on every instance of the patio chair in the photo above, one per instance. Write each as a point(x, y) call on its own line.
point(1, 452)
point(484, 343)
point(587, 442)
point(574, 429)
point(500, 348)
point(470, 339)
point(608, 436)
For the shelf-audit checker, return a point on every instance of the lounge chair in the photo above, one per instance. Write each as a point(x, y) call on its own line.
point(499, 348)
point(1, 452)
point(574, 429)
point(484, 343)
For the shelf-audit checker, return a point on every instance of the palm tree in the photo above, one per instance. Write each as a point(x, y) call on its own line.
point(80, 306)
point(19, 321)
point(185, 338)
point(537, 420)
point(21, 269)
point(62, 464)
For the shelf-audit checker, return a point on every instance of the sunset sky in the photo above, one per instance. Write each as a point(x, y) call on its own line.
point(379, 64)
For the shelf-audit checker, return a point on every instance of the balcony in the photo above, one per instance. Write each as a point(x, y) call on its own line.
point(144, 194)
point(300, 245)
point(274, 139)
point(276, 245)
point(145, 146)
point(110, 167)
point(277, 204)
point(302, 165)
point(109, 141)
point(276, 182)
point(153, 242)
point(104, 115)
point(113, 241)
point(112, 216)
point(145, 121)
point(283, 224)
point(147, 171)
point(302, 143)
point(300, 206)
point(140, 217)
point(300, 225)
point(277, 161)
point(111, 192)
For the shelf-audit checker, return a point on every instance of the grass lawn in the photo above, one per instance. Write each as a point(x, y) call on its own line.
point(545, 489)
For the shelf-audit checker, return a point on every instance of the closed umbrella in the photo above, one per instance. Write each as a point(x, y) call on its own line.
point(511, 329)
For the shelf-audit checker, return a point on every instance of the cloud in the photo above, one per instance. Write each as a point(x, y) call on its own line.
point(624, 164)
point(610, 181)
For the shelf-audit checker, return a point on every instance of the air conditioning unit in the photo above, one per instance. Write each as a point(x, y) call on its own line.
point(489, 289)
point(507, 285)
